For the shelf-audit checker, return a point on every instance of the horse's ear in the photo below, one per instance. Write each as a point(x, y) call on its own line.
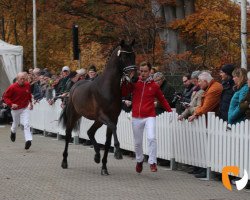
point(132, 43)
point(122, 43)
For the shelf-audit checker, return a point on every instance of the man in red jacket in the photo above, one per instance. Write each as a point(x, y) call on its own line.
point(144, 92)
point(18, 98)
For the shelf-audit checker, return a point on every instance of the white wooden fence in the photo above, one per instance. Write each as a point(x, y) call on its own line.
point(205, 143)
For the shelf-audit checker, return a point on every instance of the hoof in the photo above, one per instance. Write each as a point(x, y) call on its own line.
point(118, 155)
point(104, 172)
point(97, 158)
point(64, 165)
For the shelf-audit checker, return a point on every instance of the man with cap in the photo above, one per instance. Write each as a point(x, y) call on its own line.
point(228, 92)
point(92, 73)
point(63, 80)
point(72, 79)
point(82, 73)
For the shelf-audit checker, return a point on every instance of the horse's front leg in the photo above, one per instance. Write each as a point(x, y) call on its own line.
point(106, 151)
point(118, 152)
point(91, 133)
point(65, 153)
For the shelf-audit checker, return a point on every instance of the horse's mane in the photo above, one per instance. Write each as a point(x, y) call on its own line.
point(110, 53)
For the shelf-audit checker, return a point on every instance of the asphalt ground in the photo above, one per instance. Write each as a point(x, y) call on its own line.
point(36, 174)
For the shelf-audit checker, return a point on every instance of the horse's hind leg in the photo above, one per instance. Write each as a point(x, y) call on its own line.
point(72, 120)
point(106, 150)
point(118, 152)
point(91, 133)
point(65, 153)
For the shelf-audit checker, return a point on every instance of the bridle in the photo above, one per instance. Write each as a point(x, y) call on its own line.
point(127, 70)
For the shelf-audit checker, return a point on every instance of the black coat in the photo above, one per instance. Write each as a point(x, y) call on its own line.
point(226, 96)
point(168, 92)
point(187, 93)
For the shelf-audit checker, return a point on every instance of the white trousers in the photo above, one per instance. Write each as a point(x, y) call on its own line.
point(21, 115)
point(138, 126)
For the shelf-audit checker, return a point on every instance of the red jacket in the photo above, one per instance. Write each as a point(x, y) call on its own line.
point(16, 94)
point(143, 97)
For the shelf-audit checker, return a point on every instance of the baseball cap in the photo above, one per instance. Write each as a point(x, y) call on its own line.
point(81, 71)
point(65, 68)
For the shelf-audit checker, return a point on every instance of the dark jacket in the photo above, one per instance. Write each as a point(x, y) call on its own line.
point(62, 85)
point(168, 92)
point(36, 91)
point(187, 93)
point(226, 97)
point(245, 105)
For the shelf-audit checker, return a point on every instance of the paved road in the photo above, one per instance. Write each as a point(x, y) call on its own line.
point(36, 175)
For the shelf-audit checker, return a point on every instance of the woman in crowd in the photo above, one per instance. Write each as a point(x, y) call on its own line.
point(245, 104)
point(241, 89)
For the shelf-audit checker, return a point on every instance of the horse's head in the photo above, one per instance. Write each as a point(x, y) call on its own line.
point(127, 61)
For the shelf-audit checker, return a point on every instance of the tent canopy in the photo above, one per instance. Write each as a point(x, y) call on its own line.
point(11, 63)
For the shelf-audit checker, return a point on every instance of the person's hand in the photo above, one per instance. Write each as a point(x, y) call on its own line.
point(51, 101)
point(191, 118)
point(4, 105)
point(14, 106)
point(185, 104)
point(180, 117)
point(128, 103)
point(155, 103)
point(36, 101)
point(31, 106)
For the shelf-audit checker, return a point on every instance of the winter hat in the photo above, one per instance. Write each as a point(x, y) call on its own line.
point(72, 74)
point(92, 68)
point(228, 69)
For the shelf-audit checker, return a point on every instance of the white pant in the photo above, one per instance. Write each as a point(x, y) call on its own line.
point(138, 125)
point(21, 115)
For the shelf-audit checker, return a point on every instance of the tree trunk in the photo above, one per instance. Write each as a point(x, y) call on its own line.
point(180, 14)
point(3, 30)
point(26, 18)
point(158, 12)
point(15, 32)
point(170, 16)
point(189, 7)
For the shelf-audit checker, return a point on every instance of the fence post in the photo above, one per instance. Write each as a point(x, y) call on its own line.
point(210, 115)
point(76, 139)
point(59, 137)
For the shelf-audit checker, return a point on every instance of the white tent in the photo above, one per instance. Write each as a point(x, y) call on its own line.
point(11, 62)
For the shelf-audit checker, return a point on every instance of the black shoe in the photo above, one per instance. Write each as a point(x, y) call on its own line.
point(27, 144)
point(87, 143)
point(13, 136)
point(201, 175)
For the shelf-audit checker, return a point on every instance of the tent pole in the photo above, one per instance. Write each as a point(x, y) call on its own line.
point(244, 34)
point(34, 34)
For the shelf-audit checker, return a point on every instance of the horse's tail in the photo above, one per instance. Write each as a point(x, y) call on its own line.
point(66, 117)
point(63, 117)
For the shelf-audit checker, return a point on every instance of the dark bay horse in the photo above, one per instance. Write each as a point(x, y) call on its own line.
point(99, 100)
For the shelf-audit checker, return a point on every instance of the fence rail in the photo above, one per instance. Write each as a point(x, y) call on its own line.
point(208, 143)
